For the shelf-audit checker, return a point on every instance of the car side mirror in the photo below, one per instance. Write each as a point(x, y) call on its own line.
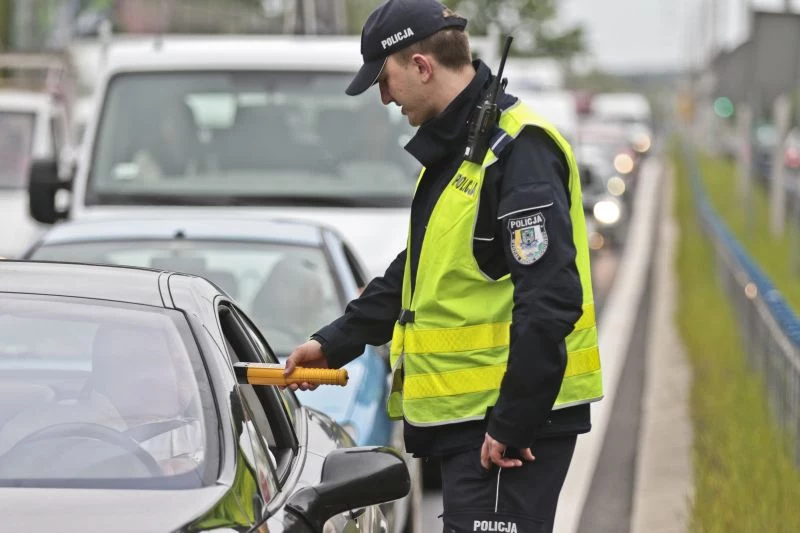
point(352, 478)
point(43, 185)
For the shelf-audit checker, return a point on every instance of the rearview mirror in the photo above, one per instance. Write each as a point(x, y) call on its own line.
point(43, 185)
point(352, 478)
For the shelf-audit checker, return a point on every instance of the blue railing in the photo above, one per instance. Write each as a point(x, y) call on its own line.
point(782, 312)
point(768, 325)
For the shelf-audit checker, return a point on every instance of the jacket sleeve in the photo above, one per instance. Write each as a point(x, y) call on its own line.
point(369, 319)
point(533, 223)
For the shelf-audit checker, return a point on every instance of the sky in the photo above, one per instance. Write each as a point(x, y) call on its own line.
point(659, 35)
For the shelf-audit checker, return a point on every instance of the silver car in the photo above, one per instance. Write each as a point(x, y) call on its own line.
point(290, 278)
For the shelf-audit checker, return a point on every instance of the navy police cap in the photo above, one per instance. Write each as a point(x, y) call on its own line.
point(393, 26)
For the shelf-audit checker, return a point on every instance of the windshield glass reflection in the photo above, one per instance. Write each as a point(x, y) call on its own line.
point(284, 136)
point(109, 392)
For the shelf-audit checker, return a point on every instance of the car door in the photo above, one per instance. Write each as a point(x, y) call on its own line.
point(246, 344)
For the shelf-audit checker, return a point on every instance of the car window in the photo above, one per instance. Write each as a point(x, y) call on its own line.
point(111, 392)
point(268, 356)
point(288, 291)
point(16, 143)
point(253, 136)
point(266, 406)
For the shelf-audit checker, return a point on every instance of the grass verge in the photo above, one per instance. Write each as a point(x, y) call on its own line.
point(745, 478)
point(778, 257)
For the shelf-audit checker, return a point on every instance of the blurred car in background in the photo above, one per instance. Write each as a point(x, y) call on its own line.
point(630, 110)
point(791, 156)
point(612, 139)
point(764, 140)
point(558, 107)
point(610, 223)
point(606, 198)
point(289, 277)
point(129, 413)
point(33, 125)
point(533, 74)
point(763, 146)
point(791, 159)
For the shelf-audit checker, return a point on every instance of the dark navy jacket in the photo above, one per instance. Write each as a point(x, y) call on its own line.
point(531, 172)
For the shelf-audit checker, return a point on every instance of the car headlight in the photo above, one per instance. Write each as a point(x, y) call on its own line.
point(642, 143)
point(623, 163)
point(607, 212)
point(596, 240)
point(616, 186)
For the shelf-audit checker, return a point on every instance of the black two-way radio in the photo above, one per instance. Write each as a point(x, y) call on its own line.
point(480, 129)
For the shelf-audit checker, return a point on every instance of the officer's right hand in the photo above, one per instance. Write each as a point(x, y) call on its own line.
point(307, 355)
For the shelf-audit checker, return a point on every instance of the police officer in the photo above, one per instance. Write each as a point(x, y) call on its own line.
point(489, 308)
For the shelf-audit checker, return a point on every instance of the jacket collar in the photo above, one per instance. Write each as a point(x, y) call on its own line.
point(445, 135)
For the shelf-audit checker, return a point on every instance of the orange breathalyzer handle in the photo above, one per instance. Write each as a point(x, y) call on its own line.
point(271, 374)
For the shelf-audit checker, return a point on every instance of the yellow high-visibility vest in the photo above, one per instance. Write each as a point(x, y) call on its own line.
point(449, 361)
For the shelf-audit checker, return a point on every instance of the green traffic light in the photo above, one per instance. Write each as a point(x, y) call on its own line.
point(723, 107)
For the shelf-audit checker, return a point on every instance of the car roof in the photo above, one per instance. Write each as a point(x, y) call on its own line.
point(120, 284)
point(229, 52)
point(199, 227)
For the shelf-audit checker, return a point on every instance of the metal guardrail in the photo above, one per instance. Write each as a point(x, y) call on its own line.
point(769, 326)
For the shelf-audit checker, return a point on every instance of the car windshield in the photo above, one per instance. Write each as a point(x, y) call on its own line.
point(16, 141)
point(248, 138)
point(98, 393)
point(288, 291)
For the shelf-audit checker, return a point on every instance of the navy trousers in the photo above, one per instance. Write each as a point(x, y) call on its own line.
point(505, 500)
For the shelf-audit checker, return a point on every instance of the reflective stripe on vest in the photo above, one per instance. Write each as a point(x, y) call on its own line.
point(449, 362)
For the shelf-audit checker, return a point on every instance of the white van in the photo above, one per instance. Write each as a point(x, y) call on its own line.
point(33, 126)
point(556, 106)
point(632, 111)
point(259, 124)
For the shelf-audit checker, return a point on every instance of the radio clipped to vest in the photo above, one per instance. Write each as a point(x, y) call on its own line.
point(486, 116)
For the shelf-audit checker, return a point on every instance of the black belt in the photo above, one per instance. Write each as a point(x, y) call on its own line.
point(406, 317)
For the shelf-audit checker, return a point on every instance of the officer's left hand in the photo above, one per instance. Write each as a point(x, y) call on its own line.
point(493, 450)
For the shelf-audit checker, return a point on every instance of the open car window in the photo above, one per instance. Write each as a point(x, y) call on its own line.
point(264, 350)
point(270, 415)
point(113, 395)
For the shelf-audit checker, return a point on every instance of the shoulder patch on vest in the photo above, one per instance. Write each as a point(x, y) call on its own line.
point(528, 238)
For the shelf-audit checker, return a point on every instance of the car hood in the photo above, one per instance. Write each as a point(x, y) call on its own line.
point(19, 231)
point(95, 510)
point(378, 234)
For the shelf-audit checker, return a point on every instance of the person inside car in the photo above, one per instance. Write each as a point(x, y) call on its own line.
point(173, 149)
